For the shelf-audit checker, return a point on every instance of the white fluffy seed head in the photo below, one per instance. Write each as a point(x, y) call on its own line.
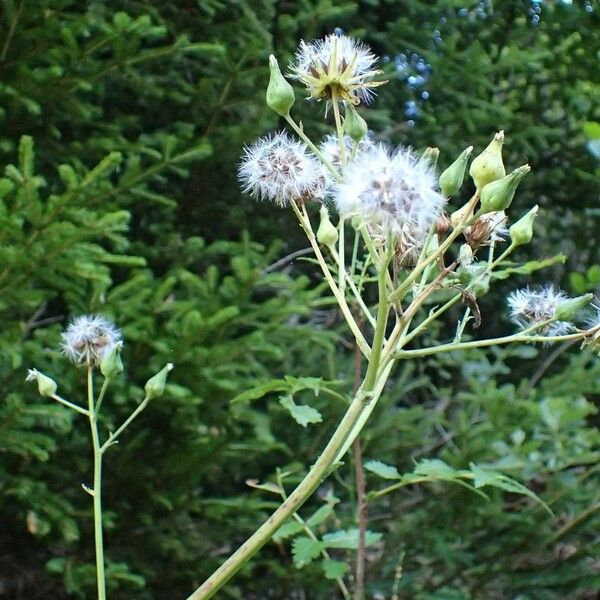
point(279, 169)
point(89, 338)
point(330, 148)
point(392, 191)
point(532, 307)
point(336, 64)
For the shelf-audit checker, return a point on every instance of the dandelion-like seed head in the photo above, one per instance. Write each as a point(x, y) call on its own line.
point(394, 192)
point(487, 230)
point(330, 148)
point(336, 66)
point(532, 307)
point(89, 338)
point(279, 169)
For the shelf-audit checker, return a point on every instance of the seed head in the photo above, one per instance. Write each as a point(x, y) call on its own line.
point(89, 338)
point(336, 65)
point(330, 148)
point(533, 307)
point(394, 191)
point(279, 169)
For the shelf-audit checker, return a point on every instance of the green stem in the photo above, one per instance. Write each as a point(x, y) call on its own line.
point(346, 432)
point(97, 490)
point(300, 132)
point(112, 438)
point(338, 126)
point(515, 338)
point(103, 389)
point(71, 405)
point(305, 223)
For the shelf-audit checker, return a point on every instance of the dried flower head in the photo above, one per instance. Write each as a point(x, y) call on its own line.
point(89, 338)
point(279, 169)
point(336, 66)
point(534, 307)
point(394, 192)
point(487, 230)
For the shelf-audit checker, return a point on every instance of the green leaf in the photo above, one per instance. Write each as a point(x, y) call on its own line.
point(334, 569)
point(436, 469)
point(321, 515)
point(484, 477)
point(305, 550)
point(348, 539)
point(530, 267)
point(287, 530)
point(302, 414)
point(383, 470)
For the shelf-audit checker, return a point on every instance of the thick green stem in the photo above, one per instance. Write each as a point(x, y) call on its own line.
point(97, 490)
point(338, 126)
point(346, 432)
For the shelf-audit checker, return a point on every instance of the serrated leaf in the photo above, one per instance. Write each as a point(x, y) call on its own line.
point(287, 530)
point(320, 515)
point(383, 470)
point(348, 539)
point(305, 550)
point(301, 413)
point(436, 469)
point(334, 569)
point(484, 477)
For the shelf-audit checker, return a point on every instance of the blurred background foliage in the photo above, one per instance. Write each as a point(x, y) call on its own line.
point(121, 124)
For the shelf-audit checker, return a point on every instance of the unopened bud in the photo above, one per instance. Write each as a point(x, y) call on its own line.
point(488, 166)
point(568, 309)
point(431, 156)
point(46, 385)
point(499, 194)
point(155, 386)
point(327, 234)
point(521, 232)
point(111, 365)
point(452, 178)
point(443, 225)
point(280, 94)
point(354, 125)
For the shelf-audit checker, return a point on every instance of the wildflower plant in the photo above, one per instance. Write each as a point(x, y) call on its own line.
point(401, 234)
point(93, 343)
point(403, 230)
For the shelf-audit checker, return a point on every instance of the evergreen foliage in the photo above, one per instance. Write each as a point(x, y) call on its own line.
point(121, 124)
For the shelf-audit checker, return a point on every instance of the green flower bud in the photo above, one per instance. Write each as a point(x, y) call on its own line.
point(521, 232)
point(354, 125)
point(280, 94)
point(431, 156)
point(46, 385)
point(452, 178)
point(567, 309)
point(155, 386)
point(488, 166)
point(111, 364)
point(327, 234)
point(499, 194)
